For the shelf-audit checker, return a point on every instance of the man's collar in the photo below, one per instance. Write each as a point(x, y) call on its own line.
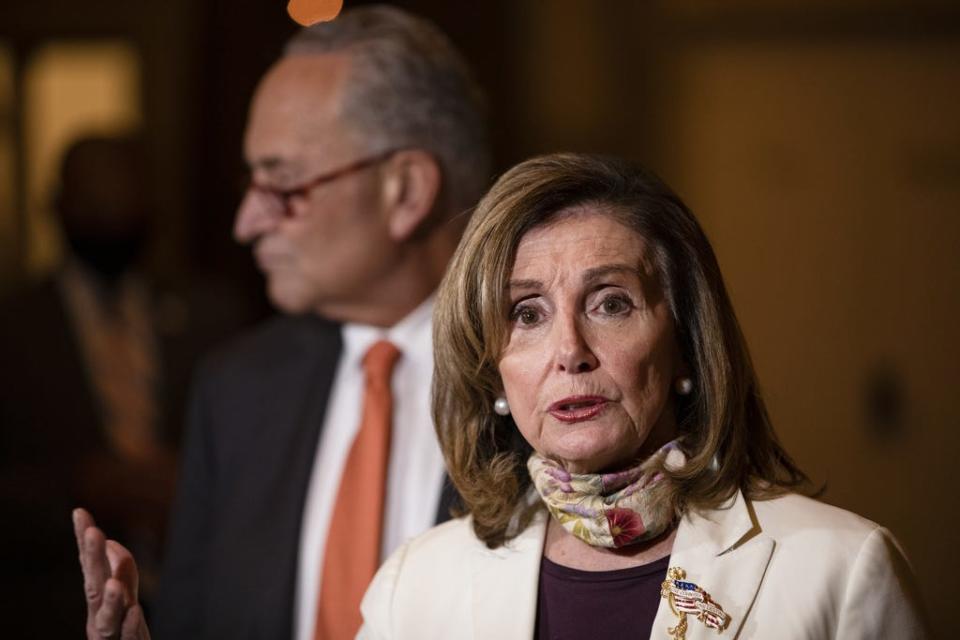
point(412, 335)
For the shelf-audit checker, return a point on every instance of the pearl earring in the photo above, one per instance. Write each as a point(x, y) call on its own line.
point(684, 386)
point(714, 464)
point(501, 407)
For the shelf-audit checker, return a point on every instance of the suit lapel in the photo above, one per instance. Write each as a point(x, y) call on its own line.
point(725, 553)
point(280, 461)
point(505, 580)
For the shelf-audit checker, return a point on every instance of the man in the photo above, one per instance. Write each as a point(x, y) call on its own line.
point(366, 146)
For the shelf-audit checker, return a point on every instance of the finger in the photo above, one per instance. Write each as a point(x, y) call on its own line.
point(134, 626)
point(82, 520)
point(123, 567)
point(96, 567)
point(108, 618)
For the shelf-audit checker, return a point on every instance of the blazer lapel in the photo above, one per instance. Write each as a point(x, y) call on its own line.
point(725, 553)
point(505, 582)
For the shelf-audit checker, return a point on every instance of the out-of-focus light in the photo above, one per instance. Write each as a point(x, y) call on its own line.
point(308, 12)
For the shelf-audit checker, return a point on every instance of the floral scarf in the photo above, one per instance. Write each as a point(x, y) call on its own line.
point(611, 509)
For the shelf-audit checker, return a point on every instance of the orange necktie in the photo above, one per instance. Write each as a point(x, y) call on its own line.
point(352, 554)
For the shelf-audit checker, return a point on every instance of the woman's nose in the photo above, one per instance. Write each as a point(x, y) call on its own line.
point(573, 352)
point(255, 216)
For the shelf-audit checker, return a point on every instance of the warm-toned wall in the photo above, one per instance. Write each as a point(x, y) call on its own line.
point(828, 176)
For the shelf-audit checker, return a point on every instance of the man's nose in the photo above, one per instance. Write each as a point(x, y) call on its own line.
point(255, 217)
point(573, 353)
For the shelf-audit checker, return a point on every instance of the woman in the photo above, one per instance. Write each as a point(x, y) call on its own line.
point(600, 417)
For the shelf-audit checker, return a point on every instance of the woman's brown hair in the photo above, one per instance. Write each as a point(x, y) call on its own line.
point(723, 423)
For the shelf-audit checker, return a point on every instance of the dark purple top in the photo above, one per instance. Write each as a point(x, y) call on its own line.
point(574, 604)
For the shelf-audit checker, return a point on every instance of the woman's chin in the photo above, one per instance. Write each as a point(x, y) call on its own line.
point(591, 462)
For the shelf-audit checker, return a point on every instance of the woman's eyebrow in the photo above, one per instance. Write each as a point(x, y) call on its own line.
point(524, 284)
point(594, 274)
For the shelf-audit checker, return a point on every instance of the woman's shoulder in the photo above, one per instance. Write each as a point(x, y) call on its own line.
point(419, 591)
point(804, 531)
point(420, 586)
point(817, 539)
point(434, 556)
point(452, 538)
point(822, 553)
point(449, 545)
point(794, 515)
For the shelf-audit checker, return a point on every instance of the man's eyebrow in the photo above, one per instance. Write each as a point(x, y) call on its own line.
point(595, 274)
point(267, 163)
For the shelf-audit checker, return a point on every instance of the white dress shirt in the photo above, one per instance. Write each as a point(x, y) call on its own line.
point(415, 471)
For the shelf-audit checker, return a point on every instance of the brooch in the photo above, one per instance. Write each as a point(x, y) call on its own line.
point(686, 597)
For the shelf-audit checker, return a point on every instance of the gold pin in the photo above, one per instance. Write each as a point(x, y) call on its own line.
point(686, 597)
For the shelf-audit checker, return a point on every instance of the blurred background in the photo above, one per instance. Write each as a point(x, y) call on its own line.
point(818, 142)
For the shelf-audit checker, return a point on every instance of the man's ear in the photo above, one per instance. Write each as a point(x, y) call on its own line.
point(411, 189)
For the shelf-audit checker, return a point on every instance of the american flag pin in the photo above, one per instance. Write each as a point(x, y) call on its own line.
point(686, 597)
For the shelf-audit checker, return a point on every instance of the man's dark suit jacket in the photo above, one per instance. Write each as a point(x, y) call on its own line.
point(255, 418)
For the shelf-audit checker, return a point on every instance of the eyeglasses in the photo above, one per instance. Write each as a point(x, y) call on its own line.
point(279, 199)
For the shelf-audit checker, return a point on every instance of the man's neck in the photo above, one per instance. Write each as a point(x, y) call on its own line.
point(376, 315)
point(397, 295)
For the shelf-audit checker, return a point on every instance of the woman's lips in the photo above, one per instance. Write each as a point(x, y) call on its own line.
point(578, 408)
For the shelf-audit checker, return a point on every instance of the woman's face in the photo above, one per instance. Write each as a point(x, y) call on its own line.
point(591, 357)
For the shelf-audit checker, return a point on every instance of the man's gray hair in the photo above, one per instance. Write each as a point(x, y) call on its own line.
point(409, 87)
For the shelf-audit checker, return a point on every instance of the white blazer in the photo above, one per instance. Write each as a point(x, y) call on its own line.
point(786, 568)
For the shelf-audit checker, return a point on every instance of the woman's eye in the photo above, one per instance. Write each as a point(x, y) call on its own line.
point(615, 305)
point(525, 315)
point(529, 316)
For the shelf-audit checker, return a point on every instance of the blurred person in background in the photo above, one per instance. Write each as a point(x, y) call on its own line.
point(366, 144)
point(94, 361)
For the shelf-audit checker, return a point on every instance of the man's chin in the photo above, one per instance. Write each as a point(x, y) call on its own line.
point(289, 300)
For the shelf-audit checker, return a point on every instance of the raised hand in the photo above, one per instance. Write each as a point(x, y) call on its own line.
point(110, 582)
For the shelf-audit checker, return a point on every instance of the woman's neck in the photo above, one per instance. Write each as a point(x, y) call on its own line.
point(567, 550)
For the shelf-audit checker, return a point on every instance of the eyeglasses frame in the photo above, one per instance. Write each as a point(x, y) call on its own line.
point(284, 196)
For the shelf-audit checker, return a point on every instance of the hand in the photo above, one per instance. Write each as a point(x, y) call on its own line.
point(110, 582)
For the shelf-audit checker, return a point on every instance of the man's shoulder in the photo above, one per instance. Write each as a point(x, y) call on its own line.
point(277, 341)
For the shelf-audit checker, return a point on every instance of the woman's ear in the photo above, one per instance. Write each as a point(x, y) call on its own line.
point(411, 190)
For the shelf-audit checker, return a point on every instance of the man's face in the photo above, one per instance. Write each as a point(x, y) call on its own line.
point(322, 251)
